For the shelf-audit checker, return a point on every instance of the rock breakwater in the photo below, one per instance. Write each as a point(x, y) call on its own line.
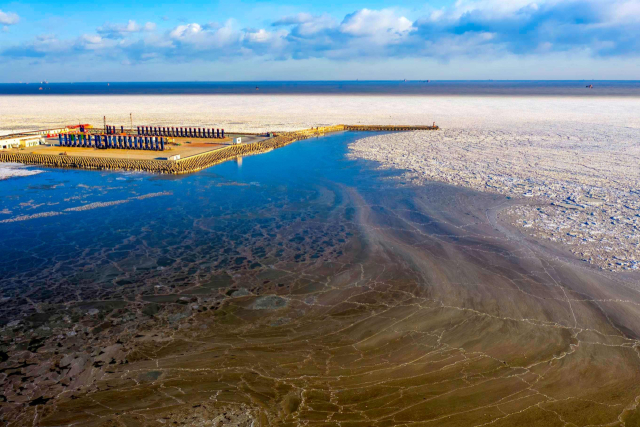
point(191, 163)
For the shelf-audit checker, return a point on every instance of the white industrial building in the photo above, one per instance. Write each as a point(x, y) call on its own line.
point(20, 141)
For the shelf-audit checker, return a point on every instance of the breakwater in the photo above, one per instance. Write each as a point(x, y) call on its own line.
point(192, 163)
point(399, 128)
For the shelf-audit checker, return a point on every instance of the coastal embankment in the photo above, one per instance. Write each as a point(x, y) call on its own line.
point(192, 163)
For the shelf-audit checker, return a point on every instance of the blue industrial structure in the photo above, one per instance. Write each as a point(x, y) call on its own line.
point(146, 137)
point(112, 141)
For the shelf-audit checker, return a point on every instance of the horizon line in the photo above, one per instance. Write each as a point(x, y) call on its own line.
point(319, 81)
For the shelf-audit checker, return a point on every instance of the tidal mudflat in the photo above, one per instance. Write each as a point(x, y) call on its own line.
point(300, 287)
point(581, 180)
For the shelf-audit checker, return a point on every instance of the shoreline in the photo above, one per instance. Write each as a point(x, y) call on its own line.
point(195, 162)
point(578, 187)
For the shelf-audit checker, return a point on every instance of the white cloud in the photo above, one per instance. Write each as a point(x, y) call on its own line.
point(92, 38)
point(211, 36)
point(299, 18)
point(263, 42)
point(8, 18)
point(116, 31)
point(626, 11)
point(307, 25)
point(382, 25)
point(185, 31)
point(493, 8)
point(260, 36)
point(468, 28)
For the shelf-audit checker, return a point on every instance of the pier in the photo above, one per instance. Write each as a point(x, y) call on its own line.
point(122, 159)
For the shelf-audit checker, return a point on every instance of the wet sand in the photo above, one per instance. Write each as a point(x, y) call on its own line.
point(435, 313)
point(422, 324)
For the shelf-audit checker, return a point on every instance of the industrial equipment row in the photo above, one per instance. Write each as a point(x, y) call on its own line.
point(181, 132)
point(128, 142)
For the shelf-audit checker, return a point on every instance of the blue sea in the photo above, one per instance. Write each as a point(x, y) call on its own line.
point(413, 87)
point(113, 234)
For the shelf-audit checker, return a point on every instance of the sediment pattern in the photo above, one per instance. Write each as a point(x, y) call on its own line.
point(345, 303)
point(477, 331)
point(192, 163)
point(580, 184)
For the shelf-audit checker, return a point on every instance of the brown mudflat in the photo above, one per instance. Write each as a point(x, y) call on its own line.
point(432, 314)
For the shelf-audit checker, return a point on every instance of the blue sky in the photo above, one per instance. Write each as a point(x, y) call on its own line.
point(145, 40)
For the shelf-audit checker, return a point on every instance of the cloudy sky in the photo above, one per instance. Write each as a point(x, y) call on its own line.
point(143, 40)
